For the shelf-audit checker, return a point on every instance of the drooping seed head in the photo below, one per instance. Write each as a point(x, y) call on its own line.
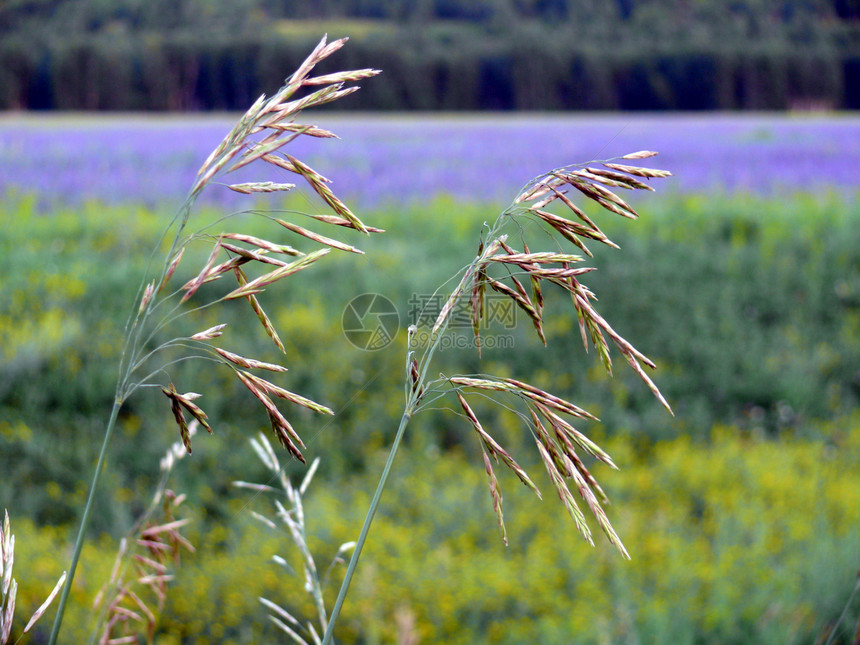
point(147, 297)
point(209, 334)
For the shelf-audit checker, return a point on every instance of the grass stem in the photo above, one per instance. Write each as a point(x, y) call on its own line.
point(365, 529)
point(85, 520)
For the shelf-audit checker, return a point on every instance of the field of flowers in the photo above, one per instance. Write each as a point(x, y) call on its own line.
point(741, 279)
point(390, 160)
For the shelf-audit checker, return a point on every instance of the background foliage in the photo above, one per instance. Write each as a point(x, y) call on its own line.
point(724, 550)
point(741, 513)
point(437, 54)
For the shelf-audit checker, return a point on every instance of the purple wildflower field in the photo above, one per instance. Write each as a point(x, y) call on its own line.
point(390, 159)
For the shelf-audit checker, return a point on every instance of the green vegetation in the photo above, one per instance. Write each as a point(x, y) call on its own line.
point(741, 513)
point(743, 540)
point(437, 54)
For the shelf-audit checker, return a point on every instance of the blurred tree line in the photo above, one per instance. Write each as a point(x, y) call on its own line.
point(437, 54)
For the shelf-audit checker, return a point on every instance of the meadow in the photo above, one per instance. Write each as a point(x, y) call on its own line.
point(741, 280)
point(392, 160)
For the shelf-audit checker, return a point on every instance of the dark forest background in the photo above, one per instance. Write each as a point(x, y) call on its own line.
point(437, 54)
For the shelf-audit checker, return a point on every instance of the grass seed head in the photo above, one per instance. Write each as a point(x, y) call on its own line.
point(249, 363)
point(642, 154)
point(310, 130)
point(264, 245)
point(564, 493)
point(261, 315)
point(342, 221)
point(147, 297)
point(209, 334)
point(316, 237)
point(649, 173)
point(256, 286)
point(171, 393)
point(171, 268)
point(496, 494)
point(292, 397)
point(260, 187)
point(622, 179)
point(195, 284)
point(342, 77)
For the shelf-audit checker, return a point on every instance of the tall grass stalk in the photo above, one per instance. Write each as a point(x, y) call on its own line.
point(9, 586)
point(499, 266)
point(292, 516)
point(834, 629)
point(260, 134)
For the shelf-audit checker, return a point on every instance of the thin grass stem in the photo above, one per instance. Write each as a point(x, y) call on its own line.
point(844, 613)
point(79, 542)
point(368, 520)
point(410, 408)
